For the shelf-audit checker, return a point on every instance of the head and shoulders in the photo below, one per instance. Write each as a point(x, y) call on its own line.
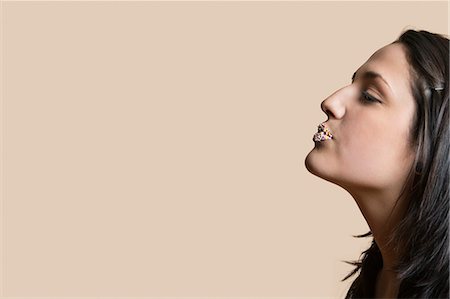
point(386, 141)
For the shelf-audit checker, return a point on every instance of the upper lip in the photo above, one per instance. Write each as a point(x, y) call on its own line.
point(326, 127)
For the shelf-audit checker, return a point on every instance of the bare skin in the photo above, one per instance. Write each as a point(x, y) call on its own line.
point(370, 155)
point(387, 285)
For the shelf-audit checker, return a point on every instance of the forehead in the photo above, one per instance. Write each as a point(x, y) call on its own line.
point(391, 62)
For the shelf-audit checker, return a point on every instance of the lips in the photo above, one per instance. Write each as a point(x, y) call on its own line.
point(323, 133)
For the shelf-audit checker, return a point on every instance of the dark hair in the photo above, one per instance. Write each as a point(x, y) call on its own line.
point(421, 237)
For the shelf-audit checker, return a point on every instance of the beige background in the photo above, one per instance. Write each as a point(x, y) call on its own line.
point(157, 149)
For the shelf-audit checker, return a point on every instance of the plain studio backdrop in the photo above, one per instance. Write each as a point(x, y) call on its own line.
point(157, 148)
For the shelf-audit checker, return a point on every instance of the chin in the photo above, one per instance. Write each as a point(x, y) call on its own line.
point(310, 165)
point(315, 168)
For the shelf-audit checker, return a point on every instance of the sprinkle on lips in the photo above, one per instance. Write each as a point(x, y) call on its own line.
point(323, 133)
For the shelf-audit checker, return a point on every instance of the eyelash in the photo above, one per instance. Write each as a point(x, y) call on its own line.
point(367, 98)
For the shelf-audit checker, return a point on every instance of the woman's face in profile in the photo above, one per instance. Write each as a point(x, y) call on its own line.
point(370, 121)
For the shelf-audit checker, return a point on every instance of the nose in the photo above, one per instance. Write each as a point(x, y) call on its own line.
point(333, 106)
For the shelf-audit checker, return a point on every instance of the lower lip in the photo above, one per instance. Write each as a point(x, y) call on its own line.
point(319, 141)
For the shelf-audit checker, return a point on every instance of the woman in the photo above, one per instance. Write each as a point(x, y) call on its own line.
point(386, 141)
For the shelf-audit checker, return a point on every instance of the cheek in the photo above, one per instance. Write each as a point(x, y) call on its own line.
point(373, 153)
point(361, 154)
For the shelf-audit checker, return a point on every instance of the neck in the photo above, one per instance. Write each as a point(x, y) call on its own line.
point(383, 212)
point(386, 285)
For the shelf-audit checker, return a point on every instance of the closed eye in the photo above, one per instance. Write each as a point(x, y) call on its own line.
point(367, 98)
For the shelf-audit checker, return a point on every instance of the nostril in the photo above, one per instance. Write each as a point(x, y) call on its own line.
point(328, 112)
point(328, 109)
point(325, 108)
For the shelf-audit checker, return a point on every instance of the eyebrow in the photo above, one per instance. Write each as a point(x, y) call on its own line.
point(372, 75)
